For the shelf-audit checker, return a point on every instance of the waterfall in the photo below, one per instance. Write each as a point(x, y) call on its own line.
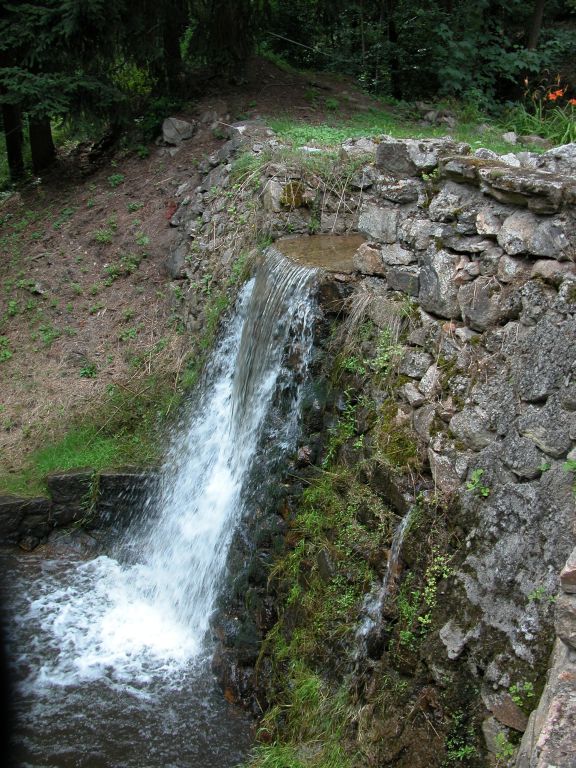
point(144, 612)
point(210, 460)
point(375, 602)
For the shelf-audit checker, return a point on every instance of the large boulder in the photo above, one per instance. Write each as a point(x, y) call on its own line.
point(413, 157)
point(175, 131)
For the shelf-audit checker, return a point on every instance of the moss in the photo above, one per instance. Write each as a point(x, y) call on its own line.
point(394, 441)
point(337, 536)
point(293, 195)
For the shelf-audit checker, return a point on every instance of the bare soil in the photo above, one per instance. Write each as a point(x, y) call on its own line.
point(85, 300)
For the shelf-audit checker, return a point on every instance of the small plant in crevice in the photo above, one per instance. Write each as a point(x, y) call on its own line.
point(416, 606)
point(460, 740)
point(505, 749)
point(476, 486)
point(541, 594)
point(342, 430)
point(570, 466)
point(522, 693)
point(351, 364)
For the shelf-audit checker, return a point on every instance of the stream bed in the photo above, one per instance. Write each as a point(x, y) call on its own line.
point(102, 680)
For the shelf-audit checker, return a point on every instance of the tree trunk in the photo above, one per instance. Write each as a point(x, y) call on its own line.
point(230, 37)
point(41, 144)
point(533, 31)
point(12, 119)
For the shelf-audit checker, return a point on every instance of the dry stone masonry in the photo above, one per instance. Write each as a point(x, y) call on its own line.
point(483, 248)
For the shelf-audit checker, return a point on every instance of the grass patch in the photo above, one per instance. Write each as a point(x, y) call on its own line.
point(83, 446)
point(558, 124)
point(123, 428)
point(379, 122)
point(316, 721)
point(337, 533)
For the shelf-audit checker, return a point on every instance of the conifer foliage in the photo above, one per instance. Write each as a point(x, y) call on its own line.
point(74, 58)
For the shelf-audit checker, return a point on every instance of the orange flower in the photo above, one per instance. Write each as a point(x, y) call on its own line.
point(572, 102)
point(553, 95)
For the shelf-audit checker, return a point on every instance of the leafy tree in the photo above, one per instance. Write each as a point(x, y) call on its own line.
point(477, 49)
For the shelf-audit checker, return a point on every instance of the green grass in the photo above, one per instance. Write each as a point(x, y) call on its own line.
point(558, 124)
point(123, 428)
point(83, 446)
point(316, 720)
point(376, 123)
point(309, 725)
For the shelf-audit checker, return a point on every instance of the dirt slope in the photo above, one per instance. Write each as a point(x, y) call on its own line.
point(85, 300)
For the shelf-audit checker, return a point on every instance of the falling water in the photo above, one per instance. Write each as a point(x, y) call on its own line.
point(124, 637)
point(375, 603)
point(209, 462)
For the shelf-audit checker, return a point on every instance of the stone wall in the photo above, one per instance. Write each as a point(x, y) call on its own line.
point(79, 498)
point(487, 248)
point(549, 736)
point(483, 247)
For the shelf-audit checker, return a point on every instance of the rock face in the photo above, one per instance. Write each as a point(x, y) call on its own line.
point(71, 494)
point(24, 521)
point(412, 157)
point(479, 251)
point(549, 737)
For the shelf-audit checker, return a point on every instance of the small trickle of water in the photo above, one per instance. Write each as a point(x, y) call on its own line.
point(132, 627)
point(375, 602)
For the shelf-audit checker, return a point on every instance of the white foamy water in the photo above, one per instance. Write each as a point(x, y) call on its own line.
point(134, 625)
point(96, 621)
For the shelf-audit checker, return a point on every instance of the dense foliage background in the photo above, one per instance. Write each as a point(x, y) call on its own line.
point(73, 60)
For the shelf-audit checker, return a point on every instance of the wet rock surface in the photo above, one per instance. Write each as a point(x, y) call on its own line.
point(486, 250)
point(80, 498)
